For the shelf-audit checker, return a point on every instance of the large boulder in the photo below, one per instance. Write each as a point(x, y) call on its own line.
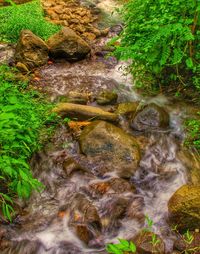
point(111, 148)
point(31, 50)
point(150, 117)
point(67, 44)
point(184, 208)
point(83, 112)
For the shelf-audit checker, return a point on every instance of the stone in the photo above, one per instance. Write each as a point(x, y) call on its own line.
point(111, 186)
point(106, 98)
point(79, 98)
point(191, 160)
point(22, 67)
point(150, 117)
point(144, 245)
point(83, 233)
point(68, 45)
point(83, 112)
point(6, 53)
point(184, 208)
point(31, 50)
point(89, 36)
point(83, 211)
point(105, 32)
point(126, 108)
point(182, 244)
point(111, 147)
point(70, 166)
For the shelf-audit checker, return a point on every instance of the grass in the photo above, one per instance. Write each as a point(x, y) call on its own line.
point(25, 16)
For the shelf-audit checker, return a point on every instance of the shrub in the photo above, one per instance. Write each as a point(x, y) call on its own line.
point(192, 126)
point(21, 118)
point(25, 16)
point(163, 40)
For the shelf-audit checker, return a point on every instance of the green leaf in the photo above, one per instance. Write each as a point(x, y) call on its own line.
point(111, 248)
point(132, 246)
point(189, 63)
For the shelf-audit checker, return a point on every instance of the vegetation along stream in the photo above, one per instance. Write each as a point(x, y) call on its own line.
point(110, 133)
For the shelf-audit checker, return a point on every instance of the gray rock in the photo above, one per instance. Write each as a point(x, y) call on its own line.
point(150, 117)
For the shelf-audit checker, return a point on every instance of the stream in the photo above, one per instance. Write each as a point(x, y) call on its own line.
point(78, 211)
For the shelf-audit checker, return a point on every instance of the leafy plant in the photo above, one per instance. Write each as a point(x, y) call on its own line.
point(21, 119)
point(25, 16)
point(154, 240)
point(188, 237)
point(163, 40)
point(122, 247)
point(192, 127)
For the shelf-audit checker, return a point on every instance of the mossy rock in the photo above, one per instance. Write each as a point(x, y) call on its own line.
point(184, 208)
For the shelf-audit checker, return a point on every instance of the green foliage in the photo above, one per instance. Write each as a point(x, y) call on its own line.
point(25, 16)
point(21, 118)
point(188, 237)
point(120, 248)
point(163, 40)
point(192, 126)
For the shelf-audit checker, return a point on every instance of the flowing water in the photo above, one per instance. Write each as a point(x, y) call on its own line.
point(51, 221)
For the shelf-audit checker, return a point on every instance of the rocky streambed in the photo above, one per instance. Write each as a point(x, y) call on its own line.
point(119, 160)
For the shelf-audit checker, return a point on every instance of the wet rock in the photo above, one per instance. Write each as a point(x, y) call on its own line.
point(191, 160)
point(115, 209)
point(83, 211)
point(117, 150)
point(144, 245)
point(107, 97)
point(183, 243)
point(150, 117)
point(82, 112)
point(70, 166)
point(67, 44)
point(184, 208)
point(23, 247)
point(112, 186)
point(126, 108)
point(31, 50)
point(6, 53)
point(83, 233)
point(135, 210)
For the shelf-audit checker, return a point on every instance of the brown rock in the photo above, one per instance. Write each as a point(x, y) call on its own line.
point(184, 208)
point(82, 210)
point(67, 44)
point(112, 186)
point(31, 50)
point(126, 108)
point(144, 243)
point(22, 67)
point(111, 147)
point(83, 233)
point(107, 97)
point(83, 112)
point(183, 243)
point(89, 36)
